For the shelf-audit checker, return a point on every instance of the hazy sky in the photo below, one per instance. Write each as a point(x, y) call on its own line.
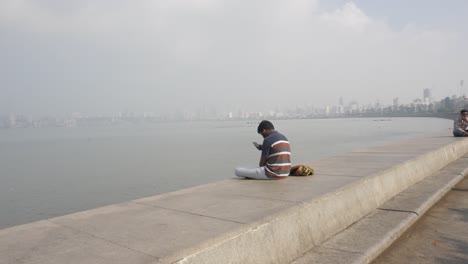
point(106, 56)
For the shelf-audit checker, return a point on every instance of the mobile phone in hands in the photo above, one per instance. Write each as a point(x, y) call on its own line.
point(257, 146)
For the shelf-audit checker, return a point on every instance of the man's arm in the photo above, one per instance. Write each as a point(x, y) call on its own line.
point(265, 152)
point(465, 125)
point(259, 146)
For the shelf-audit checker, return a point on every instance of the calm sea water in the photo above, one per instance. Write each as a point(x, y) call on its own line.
point(49, 172)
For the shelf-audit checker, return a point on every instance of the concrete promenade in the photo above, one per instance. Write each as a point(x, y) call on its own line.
point(246, 221)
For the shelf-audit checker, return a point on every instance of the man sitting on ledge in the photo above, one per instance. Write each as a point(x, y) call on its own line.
point(275, 160)
point(460, 124)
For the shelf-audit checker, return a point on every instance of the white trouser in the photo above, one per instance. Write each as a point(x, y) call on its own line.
point(251, 172)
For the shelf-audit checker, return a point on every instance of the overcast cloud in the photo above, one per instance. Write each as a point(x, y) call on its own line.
point(108, 56)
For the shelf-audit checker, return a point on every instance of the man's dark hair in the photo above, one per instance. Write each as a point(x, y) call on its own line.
point(265, 124)
point(463, 111)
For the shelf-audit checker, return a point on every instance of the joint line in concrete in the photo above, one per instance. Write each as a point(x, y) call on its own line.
point(101, 238)
point(185, 212)
point(342, 250)
point(459, 190)
point(395, 210)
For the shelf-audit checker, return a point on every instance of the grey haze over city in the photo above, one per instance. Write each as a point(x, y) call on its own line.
point(103, 57)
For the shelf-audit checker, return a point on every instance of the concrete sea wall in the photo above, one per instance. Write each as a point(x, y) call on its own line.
point(236, 220)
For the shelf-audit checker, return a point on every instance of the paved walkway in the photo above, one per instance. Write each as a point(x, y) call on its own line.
point(440, 236)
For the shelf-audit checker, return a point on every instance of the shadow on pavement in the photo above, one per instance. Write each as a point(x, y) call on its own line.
point(453, 257)
point(463, 213)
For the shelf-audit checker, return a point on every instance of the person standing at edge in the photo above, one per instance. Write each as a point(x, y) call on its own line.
point(460, 124)
point(275, 160)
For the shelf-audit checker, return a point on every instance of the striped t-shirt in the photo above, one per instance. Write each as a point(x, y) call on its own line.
point(277, 151)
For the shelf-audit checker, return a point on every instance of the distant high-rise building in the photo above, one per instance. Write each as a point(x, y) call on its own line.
point(341, 100)
point(396, 102)
point(427, 95)
point(461, 88)
point(340, 109)
point(353, 106)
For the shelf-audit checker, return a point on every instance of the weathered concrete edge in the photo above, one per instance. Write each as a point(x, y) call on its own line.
point(282, 237)
point(390, 237)
point(342, 247)
point(399, 230)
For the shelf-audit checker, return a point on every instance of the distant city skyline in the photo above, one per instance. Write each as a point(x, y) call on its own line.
point(177, 55)
point(426, 97)
point(425, 106)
